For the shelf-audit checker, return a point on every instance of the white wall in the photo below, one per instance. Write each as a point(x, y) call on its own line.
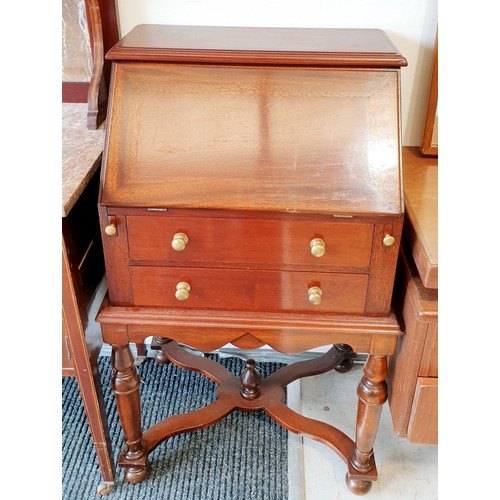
point(411, 25)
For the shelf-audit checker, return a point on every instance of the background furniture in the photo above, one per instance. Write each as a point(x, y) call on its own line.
point(413, 370)
point(91, 29)
point(84, 77)
point(82, 274)
point(251, 193)
point(429, 145)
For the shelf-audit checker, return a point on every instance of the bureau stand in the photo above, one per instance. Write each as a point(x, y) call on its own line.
point(249, 392)
point(251, 194)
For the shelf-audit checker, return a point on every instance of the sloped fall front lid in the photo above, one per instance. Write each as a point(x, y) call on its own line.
point(215, 118)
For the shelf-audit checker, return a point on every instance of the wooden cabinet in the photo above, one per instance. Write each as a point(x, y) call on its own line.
point(83, 275)
point(82, 280)
point(251, 193)
point(413, 370)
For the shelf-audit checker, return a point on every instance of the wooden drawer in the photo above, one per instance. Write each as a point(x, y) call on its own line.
point(247, 242)
point(423, 425)
point(252, 290)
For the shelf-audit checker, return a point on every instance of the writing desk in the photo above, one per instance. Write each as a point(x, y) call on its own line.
point(251, 194)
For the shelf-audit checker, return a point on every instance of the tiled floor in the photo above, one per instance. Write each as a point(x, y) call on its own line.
point(406, 471)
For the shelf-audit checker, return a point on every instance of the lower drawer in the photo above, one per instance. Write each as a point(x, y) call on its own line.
point(423, 425)
point(249, 290)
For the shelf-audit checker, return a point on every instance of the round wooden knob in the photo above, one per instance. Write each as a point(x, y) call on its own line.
point(182, 290)
point(110, 230)
point(179, 241)
point(389, 240)
point(315, 295)
point(318, 247)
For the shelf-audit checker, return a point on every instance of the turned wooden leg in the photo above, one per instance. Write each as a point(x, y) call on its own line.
point(126, 388)
point(372, 394)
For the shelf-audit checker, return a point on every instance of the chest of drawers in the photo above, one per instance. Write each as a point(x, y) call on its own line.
point(251, 193)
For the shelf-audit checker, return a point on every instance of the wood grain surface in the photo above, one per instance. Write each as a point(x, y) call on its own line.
point(250, 45)
point(276, 139)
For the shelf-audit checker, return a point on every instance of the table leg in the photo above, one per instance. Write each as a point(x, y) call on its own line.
point(125, 385)
point(372, 394)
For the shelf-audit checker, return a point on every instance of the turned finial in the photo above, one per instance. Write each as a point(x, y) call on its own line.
point(250, 380)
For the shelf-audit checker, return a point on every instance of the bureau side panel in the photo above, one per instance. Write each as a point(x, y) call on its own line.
point(116, 257)
point(383, 267)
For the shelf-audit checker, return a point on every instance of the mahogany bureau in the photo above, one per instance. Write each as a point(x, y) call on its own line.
point(251, 194)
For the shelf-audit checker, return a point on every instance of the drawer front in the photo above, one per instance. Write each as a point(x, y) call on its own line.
point(263, 243)
point(249, 290)
point(423, 424)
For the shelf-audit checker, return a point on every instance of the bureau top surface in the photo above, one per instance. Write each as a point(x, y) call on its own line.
point(300, 46)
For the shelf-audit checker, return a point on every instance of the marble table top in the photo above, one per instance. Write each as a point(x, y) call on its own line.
point(81, 152)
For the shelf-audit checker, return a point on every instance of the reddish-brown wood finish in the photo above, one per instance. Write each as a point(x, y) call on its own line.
point(423, 424)
point(417, 354)
point(231, 394)
point(285, 332)
point(413, 370)
point(75, 91)
point(248, 290)
point(126, 388)
point(252, 45)
point(80, 353)
point(103, 33)
point(252, 147)
point(82, 271)
point(372, 394)
point(429, 145)
point(421, 206)
point(229, 141)
point(273, 243)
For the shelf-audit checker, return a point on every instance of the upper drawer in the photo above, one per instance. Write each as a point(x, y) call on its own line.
point(274, 243)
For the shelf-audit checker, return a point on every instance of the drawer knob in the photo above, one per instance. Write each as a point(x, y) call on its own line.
point(315, 295)
point(110, 230)
point(389, 240)
point(318, 247)
point(179, 241)
point(182, 290)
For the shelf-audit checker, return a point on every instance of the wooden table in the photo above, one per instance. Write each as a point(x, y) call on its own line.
point(82, 274)
point(421, 204)
point(251, 193)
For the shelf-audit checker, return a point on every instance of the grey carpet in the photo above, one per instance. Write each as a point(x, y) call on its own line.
point(244, 456)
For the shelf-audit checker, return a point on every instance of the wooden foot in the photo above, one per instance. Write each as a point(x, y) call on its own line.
point(135, 474)
point(357, 486)
point(125, 385)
